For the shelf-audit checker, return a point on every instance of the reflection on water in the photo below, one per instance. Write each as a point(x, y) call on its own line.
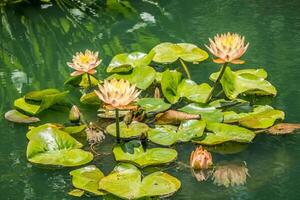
point(37, 41)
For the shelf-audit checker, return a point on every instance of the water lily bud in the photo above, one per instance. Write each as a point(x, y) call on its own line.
point(128, 118)
point(74, 115)
point(200, 159)
point(157, 93)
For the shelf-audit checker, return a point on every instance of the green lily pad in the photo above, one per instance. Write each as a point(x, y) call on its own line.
point(168, 52)
point(167, 134)
point(38, 101)
point(90, 99)
point(74, 129)
point(111, 114)
point(87, 178)
point(153, 105)
point(82, 81)
point(126, 182)
point(220, 133)
point(76, 193)
point(207, 113)
point(50, 146)
point(142, 158)
point(169, 84)
point(142, 77)
point(193, 92)
point(135, 129)
point(236, 83)
point(17, 117)
point(262, 117)
point(125, 62)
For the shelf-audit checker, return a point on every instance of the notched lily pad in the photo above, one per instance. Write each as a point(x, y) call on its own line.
point(17, 117)
point(193, 92)
point(153, 105)
point(142, 158)
point(168, 52)
point(169, 84)
point(125, 62)
point(87, 178)
point(50, 146)
point(241, 82)
point(220, 133)
point(126, 182)
point(167, 134)
point(135, 129)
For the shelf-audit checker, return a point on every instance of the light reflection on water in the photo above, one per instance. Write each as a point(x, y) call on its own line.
point(36, 43)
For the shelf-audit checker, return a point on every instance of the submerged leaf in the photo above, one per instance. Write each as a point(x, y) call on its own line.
point(283, 128)
point(17, 117)
point(126, 181)
point(87, 178)
point(174, 117)
point(168, 52)
point(142, 158)
point(167, 134)
point(135, 129)
point(241, 82)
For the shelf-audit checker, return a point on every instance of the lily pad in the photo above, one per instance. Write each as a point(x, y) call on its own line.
point(236, 83)
point(169, 84)
point(125, 62)
point(207, 113)
point(220, 133)
point(142, 158)
point(74, 129)
point(153, 105)
point(87, 178)
point(50, 146)
point(168, 52)
point(76, 193)
point(38, 101)
point(261, 117)
point(193, 92)
point(82, 81)
point(126, 182)
point(167, 134)
point(17, 117)
point(135, 129)
point(111, 114)
point(142, 77)
point(90, 99)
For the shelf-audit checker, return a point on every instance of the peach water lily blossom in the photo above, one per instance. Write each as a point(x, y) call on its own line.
point(84, 63)
point(228, 48)
point(118, 94)
point(200, 159)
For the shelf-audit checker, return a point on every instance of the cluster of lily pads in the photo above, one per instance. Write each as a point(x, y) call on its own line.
point(146, 100)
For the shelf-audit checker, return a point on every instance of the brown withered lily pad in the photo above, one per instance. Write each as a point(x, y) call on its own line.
point(174, 117)
point(283, 128)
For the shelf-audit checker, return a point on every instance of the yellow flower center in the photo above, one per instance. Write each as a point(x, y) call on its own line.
point(84, 59)
point(228, 41)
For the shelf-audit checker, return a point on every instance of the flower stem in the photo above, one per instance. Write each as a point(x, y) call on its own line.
point(185, 68)
point(117, 126)
point(89, 79)
point(217, 81)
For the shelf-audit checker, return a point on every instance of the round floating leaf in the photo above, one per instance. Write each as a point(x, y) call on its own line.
point(74, 129)
point(220, 133)
point(235, 83)
point(169, 84)
point(142, 158)
point(142, 77)
point(168, 52)
point(50, 146)
point(126, 181)
point(82, 81)
point(87, 179)
point(90, 99)
point(193, 92)
point(261, 117)
point(17, 117)
point(76, 193)
point(153, 105)
point(37, 101)
point(125, 62)
point(167, 134)
point(135, 129)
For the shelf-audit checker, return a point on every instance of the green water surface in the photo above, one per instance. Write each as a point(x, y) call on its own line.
point(37, 41)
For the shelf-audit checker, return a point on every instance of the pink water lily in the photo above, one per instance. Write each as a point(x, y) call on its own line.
point(200, 159)
point(84, 63)
point(228, 48)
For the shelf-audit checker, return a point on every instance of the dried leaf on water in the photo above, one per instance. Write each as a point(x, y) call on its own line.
point(283, 128)
point(174, 117)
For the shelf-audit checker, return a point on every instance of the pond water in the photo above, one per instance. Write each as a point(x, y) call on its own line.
point(37, 41)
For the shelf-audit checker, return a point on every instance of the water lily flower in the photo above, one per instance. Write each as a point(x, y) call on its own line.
point(74, 115)
point(228, 48)
point(118, 94)
point(230, 174)
point(84, 63)
point(200, 159)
